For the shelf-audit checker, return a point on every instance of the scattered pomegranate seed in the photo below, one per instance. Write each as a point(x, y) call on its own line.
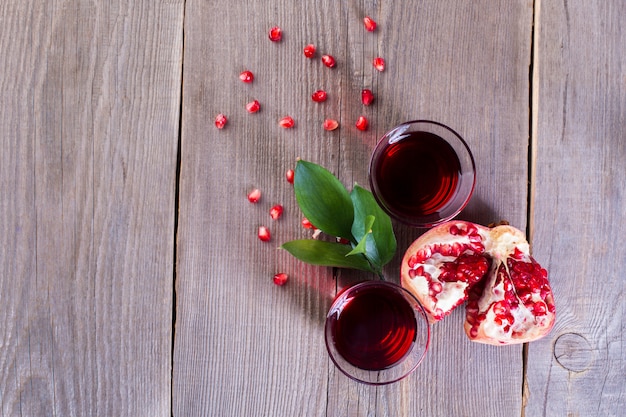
point(370, 24)
point(281, 278)
point(329, 61)
point(361, 123)
point(319, 96)
point(367, 97)
point(276, 34)
point(246, 76)
point(276, 212)
point(253, 106)
point(307, 224)
point(289, 175)
point(264, 234)
point(286, 122)
point(254, 196)
point(330, 124)
point(379, 64)
point(309, 50)
point(220, 121)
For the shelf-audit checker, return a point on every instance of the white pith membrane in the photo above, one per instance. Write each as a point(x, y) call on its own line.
point(492, 317)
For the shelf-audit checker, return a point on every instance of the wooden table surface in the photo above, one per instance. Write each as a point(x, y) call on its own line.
point(132, 282)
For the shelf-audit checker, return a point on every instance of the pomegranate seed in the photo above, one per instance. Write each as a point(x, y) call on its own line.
point(281, 278)
point(246, 76)
point(367, 97)
point(264, 234)
point(330, 124)
point(307, 224)
point(309, 50)
point(329, 61)
point(254, 196)
point(276, 212)
point(220, 121)
point(286, 122)
point(379, 64)
point(361, 123)
point(319, 96)
point(276, 34)
point(253, 106)
point(370, 24)
point(289, 175)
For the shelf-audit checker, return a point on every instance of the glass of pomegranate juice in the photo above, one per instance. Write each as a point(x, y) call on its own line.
point(422, 173)
point(376, 332)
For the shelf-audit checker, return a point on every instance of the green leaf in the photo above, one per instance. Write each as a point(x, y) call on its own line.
point(381, 242)
point(322, 253)
point(324, 200)
point(361, 247)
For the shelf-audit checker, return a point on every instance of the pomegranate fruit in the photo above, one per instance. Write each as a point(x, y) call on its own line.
point(509, 299)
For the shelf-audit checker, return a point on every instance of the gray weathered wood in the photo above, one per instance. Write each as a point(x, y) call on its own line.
point(244, 346)
point(578, 210)
point(89, 98)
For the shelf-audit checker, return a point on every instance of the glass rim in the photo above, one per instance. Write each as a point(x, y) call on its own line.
point(397, 371)
point(467, 179)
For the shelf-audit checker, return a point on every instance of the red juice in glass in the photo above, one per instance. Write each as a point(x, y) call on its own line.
point(422, 173)
point(377, 332)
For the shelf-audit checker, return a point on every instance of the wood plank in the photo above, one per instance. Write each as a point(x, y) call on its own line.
point(244, 346)
point(578, 210)
point(89, 125)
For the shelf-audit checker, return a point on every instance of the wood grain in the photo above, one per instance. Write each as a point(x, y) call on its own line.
point(578, 210)
point(244, 346)
point(90, 94)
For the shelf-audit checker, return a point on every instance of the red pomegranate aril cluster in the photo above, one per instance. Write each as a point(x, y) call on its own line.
point(246, 76)
point(220, 121)
point(329, 61)
point(275, 34)
point(309, 50)
point(286, 122)
point(253, 106)
point(319, 96)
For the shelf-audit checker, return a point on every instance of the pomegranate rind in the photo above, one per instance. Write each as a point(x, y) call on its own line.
point(510, 302)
